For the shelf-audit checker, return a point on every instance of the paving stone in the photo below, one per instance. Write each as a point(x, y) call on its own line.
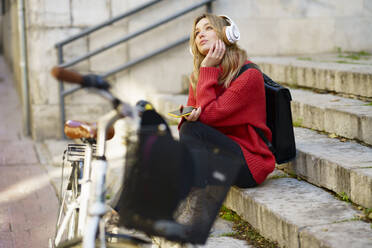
point(30, 203)
point(280, 208)
point(17, 152)
point(6, 240)
point(343, 167)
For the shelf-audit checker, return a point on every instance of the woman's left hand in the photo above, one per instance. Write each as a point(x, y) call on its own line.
point(194, 116)
point(215, 54)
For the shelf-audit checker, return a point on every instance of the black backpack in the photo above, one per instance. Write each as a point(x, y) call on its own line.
point(278, 118)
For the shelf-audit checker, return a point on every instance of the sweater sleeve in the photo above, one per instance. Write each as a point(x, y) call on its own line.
point(242, 102)
point(190, 102)
point(191, 99)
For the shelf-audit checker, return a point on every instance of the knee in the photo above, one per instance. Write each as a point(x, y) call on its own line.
point(190, 129)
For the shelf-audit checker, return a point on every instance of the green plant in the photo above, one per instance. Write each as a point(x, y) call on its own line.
point(339, 50)
point(229, 234)
point(298, 122)
point(305, 58)
point(279, 176)
point(368, 104)
point(367, 211)
point(228, 214)
point(344, 197)
point(244, 231)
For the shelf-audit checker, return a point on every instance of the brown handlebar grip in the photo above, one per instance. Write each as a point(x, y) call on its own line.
point(67, 75)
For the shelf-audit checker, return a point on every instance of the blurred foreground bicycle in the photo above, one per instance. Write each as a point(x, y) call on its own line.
point(86, 170)
point(158, 179)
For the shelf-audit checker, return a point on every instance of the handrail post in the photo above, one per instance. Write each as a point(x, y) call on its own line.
point(209, 7)
point(61, 95)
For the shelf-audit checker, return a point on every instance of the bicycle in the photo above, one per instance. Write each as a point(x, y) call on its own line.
point(153, 176)
point(87, 172)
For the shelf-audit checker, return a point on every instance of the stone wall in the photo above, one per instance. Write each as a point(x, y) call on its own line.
point(268, 27)
point(285, 27)
point(10, 40)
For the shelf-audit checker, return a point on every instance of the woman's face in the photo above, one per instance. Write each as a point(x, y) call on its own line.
point(205, 36)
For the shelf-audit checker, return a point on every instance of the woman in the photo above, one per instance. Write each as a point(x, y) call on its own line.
point(218, 145)
point(227, 108)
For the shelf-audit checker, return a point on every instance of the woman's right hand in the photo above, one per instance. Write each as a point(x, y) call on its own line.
point(194, 116)
point(215, 54)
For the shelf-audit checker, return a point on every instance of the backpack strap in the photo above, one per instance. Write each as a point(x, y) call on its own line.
point(258, 131)
point(263, 137)
point(246, 67)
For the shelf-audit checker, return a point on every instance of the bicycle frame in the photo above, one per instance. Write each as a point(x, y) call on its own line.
point(80, 203)
point(99, 168)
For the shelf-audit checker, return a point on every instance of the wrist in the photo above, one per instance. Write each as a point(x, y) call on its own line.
point(205, 65)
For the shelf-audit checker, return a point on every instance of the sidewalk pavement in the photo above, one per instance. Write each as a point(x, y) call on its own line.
point(28, 203)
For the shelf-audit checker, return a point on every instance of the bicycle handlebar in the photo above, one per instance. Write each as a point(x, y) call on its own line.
point(90, 80)
point(67, 75)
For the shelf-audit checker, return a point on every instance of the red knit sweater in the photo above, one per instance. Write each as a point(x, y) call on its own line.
point(233, 111)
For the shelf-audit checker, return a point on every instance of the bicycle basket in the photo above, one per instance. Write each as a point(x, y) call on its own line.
point(159, 175)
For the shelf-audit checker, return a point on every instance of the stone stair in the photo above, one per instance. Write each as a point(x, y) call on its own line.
point(333, 114)
point(330, 72)
point(334, 157)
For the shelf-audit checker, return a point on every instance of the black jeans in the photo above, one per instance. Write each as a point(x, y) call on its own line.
point(202, 139)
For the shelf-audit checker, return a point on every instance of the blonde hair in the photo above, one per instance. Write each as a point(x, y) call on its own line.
point(232, 61)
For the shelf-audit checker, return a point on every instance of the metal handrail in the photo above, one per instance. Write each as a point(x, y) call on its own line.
point(145, 57)
point(127, 65)
point(134, 34)
point(106, 23)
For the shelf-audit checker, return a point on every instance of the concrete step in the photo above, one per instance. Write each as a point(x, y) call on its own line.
point(165, 103)
point(297, 214)
point(344, 117)
point(343, 167)
point(333, 114)
point(324, 72)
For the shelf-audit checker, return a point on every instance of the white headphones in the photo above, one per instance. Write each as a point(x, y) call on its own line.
point(231, 32)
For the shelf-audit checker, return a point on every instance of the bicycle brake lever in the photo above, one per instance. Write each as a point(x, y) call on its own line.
point(95, 81)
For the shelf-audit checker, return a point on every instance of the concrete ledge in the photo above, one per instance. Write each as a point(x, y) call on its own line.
point(331, 235)
point(343, 167)
point(290, 211)
point(333, 114)
point(321, 72)
point(165, 103)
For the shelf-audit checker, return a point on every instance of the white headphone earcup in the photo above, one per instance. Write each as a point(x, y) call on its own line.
point(231, 32)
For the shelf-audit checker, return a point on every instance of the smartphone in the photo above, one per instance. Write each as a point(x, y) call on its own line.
point(185, 112)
